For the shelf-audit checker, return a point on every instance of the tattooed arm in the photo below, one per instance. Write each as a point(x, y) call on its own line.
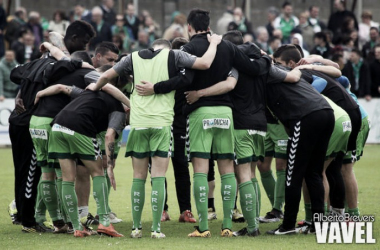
point(110, 152)
point(58, 89)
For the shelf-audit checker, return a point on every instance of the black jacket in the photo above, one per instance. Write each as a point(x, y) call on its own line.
point(19, 49)
point(364, 87)
point(336, 20)
point(105, 35)
point(375, 77)
point(108, 16)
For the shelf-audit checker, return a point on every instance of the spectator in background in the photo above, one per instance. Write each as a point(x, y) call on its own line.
point(298, 39)
point(131, 20)
point(277, 33)
point(354, 35)
point(102, 28)
point(307, 31)
point(272, 14)
point(286, 21)
point(59, 23)
point(336, 19)
point(357, 71)
point(262, 38)
point(274, 44)
point(368, 48)
point(3, 24)
point(365, 26)
point(375, 73)
point(8, 89)
point(248, 38)
point(142, 41)
point(81, 13)
point(224, 21)
point(15, 25)
point(25, 48)
point(109, 15)
point(35, 27)
point(322, 47)
point(178, 27)
point(347, 45)
point(314, 21)
point(119, 42)
point(152, 28)
point(122, 31)
point(240, 23)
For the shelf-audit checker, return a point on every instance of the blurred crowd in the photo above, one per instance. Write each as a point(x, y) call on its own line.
point(354, 45)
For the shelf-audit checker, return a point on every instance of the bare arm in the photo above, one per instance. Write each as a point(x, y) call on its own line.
point(103, 80)
point(110, 152)
point(317, 59)
point(216, 89)
point(206, 60)
point(328, 70)
point(53, 90)
point(54, 51)
point(293, 76)
point(117, 94)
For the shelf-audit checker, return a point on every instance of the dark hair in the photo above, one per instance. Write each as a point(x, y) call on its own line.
point(287, 53)
point(120, 40)
point(121, 57)
point(234, 36)
point(178, 42)
point(311, 7)
point(199, 19)
point(300, 50)
point(374, 28)
point(272, 39)
point(321, 35)
point(336, 57)
point(104, 47)
point(18, 13)
point(80, 28)
point(82, 55)
point(163, 42)
point(286, 3)
point(22, 31)
point(357, 51)
point(61, 14)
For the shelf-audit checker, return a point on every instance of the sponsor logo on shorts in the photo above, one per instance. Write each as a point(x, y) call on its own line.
point(258, 132)
point(57, 127)
point(38, 133)
point(216, 123)
point(282, 143)
point(347, 126)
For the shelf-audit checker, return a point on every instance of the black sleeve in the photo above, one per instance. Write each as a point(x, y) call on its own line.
point(183, 79)
point(59, 69)
point(367, 79)
point(17, 74)
point(250, 49)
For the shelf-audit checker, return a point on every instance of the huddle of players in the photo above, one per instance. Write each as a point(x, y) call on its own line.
point(229, 124)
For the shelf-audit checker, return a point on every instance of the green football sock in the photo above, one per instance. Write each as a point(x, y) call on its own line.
point(109, 187)
point(158, 200)
point(248, 204)
point(138, 200)
point(70, 201)
point(308, 213)
point(58, 183)
point(326, 209)
point(50, 198)
point(269, 184)
point(99, 188)
point(228, 190)
point(354, 211)
point(40, 208)
point(256, 187)
point(279, 193)
point(200, 190)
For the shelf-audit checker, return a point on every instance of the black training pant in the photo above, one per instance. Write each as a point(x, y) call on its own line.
point(356, 123)
point(334, 176)
point(27, 174)
point(306, 151)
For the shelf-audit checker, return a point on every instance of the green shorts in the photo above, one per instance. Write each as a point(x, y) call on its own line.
point(276, 141)
point(210, 129)
point(101, 141)
point(339, 138)
point(149, 142)
point(65, 143)
point(249, 145)
point(40, 131)
point(360, 143)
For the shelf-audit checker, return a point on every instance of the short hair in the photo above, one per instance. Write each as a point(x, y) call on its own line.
point(311, 7)
point(336, 57)
point(374, 28)
point(61, 14)
point(357, 51)
point(234, 36)
point(260, 30)
point(321, 35)
point(367, 14)
point(288, 53)
point(299, 50)
point(103, 47)
point(80, 28)
point(97, 10)
point(22, 31)
point(82, 55)
point(162, 42)
point(199, 19)
point(272, 39)
point(286, 3)
point(178, 42)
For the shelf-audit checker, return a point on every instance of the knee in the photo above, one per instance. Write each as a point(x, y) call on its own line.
point(48, 176)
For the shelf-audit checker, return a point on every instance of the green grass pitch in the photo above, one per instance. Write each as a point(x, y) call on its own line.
point(367, 172)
